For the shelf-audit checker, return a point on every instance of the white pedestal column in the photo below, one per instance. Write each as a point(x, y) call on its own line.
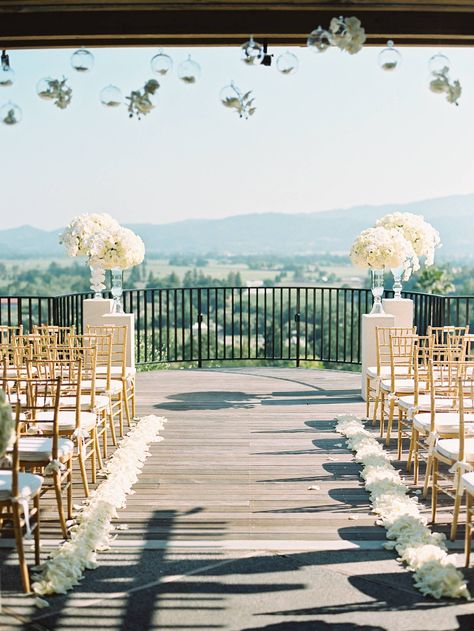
point(402, 309)
point(368, 346)
point(99, 313)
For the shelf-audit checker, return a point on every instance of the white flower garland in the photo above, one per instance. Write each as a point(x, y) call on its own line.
point(423, 551)
point(92, 533)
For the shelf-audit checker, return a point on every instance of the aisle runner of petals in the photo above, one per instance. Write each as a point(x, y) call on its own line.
point(93, 531)
point(422, 551)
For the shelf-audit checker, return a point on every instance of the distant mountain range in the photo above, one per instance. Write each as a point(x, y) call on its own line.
point(328, 231)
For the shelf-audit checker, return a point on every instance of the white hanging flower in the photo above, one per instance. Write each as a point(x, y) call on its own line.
point(421, 234)
point(422, 551)
point(7, 425)
point(347, 34)
point(441, 83)
point(380, 248)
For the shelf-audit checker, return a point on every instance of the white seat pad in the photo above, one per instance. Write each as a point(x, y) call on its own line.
point(449, 447)
point(371, 372)
point(445, 422)
point(468, 482)
point(28, 484)
point(401, 385)
point(38, 448)
point(67, 420)
point(116, 371)
point(101, 402)
point(424, 402)
point(101, 385)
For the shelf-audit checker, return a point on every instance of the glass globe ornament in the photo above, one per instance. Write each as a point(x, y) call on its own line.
point(111, 96)
point(389, 58)
point(319, 40)
point(82, 60)
point(287, 63)
point(43, 89)
point(7, 76)
point(252, 52)
point(230, 95)
point(10, 114)
point(438, 63)
point(189, 71)
point(161, 63)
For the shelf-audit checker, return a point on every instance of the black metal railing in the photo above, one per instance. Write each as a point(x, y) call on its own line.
point(200, 325)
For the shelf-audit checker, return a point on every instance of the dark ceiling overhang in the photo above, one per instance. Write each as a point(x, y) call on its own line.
point(64, 23)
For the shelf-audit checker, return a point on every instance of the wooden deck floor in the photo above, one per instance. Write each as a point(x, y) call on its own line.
point(242, 448)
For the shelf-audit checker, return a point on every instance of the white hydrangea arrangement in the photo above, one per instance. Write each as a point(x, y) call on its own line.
point(116, 249)
point(347, 34)
point(380, 248)
point(422, 551)
point(76, 237)
point(7, 425)
point(421, 234)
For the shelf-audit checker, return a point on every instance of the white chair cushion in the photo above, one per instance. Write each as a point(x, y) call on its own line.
point(28, 484)
point(449, 448)
point(445, 422)
point(101, 402)
point(67, 420)
point(424, 402)
point(38, 448)
point(401, 385)
point(385, 371)
point(468, 482)
point(101, 386)
point(116, 371)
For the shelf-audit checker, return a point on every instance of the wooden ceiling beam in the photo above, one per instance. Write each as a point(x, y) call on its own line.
point(151, 24)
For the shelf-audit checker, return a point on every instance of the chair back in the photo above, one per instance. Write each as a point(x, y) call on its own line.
point(382, 342)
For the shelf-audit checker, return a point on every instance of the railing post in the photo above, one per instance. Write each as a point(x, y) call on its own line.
point(298, 327)
point(199, 328)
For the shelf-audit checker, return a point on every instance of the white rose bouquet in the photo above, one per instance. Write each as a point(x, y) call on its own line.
point(76, 237)
point(380, 248)
point(116, 249)
point(421, 234)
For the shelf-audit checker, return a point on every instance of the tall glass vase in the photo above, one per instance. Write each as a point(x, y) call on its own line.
point(97, 281)
point(117, 290)
point(397, 281)
point(377, 291)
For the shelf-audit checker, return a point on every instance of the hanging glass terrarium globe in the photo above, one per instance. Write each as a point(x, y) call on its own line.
point(161, 63)
point(7, 76)
point(287, 63)
point(252, 52)
point(389, 58)
point(438, 63)
point(230, 96)
point(44, 90)
point(10, 114)
point(82, 60)
point(189, 71)
point(111, 96)
point(319, 40)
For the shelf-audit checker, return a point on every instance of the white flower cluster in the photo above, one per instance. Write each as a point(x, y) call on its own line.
point(66, 565)
point(423, 552)
point(421, 234)
point(441, 84)
point(7, 425)
point(104, 241)
point(347, 34)
point(380, 247)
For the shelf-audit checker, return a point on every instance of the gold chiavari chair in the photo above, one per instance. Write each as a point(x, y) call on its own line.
point(17, 490)
point(457, 454)
point(53, 334)
point(403, 355)
point(46, 452)
point(120, 371)
point(374, 374)
point(7, 333)
point(73, 422)
point(467, 481)
point(448, 335)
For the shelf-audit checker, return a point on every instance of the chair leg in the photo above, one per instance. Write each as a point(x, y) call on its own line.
point(134, 402)
point(457, 507)
point(59, 501)
point(37, 531)
point(112, 425)
point(399, 434)
point(69, 488)
point(93, 455)
point(382, 413)
point(434, 493)
point(125, 402)
point(391, 413)
point(82, 465)
point(428, 475)
point(468, 537)
point(412, 448)
point(25, 578)
point(367, 391)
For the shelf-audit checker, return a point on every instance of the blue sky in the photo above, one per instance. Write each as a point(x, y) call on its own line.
point(338, 133)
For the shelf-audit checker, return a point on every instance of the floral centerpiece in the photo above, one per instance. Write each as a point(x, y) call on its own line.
point(116, 250)
point(379, 248)
point(421, 235)
point(77, 239)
